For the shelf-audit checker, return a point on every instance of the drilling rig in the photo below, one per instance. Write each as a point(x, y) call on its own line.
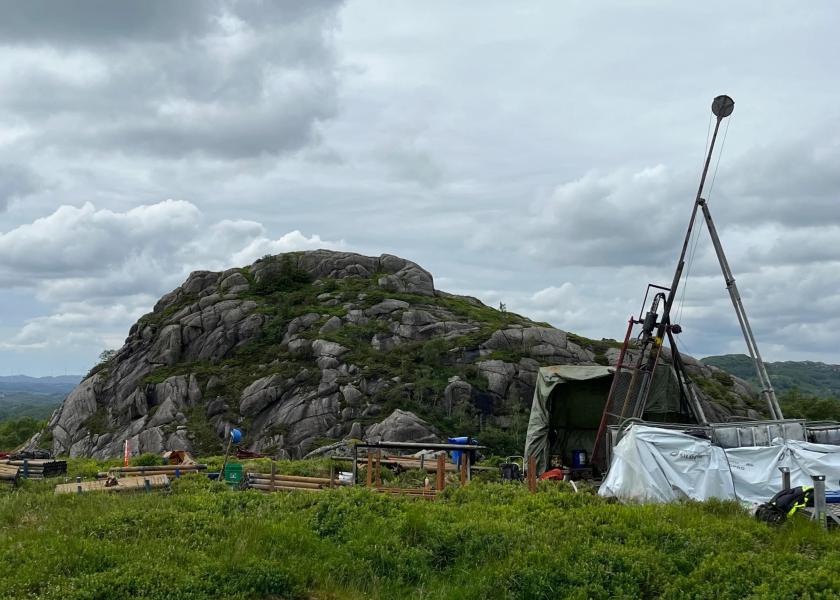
point(641, 355)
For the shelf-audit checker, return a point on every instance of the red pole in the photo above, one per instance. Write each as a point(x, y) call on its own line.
point(603, 426)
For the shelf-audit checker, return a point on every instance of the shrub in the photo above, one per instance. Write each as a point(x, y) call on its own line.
point(147, 460)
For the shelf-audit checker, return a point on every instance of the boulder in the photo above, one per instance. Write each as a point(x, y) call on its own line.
point(402, 426)
point(498, 374)
point(327, 348)
point(332, 324)
point(262, 393)
point(386, 307)
point(457, 392)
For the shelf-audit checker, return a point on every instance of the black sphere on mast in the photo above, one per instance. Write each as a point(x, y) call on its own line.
point(722, 106)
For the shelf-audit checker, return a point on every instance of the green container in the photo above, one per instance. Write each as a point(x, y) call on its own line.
point(233, 474)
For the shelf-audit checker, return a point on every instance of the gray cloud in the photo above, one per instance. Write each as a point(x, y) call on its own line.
point(545, 155)
point(95, 22)
point(15, 182)
point(86, 22)
point(232, 79)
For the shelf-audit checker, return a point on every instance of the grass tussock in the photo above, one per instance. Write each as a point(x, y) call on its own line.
point(487, 540)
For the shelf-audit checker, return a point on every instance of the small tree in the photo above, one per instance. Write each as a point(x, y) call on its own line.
point(107, 355)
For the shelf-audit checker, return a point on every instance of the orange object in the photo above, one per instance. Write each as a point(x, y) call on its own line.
point(553, 475)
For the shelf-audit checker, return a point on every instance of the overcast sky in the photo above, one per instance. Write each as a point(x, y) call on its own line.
point(543, 154)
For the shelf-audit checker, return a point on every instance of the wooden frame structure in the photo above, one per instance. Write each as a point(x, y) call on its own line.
point(374, 464)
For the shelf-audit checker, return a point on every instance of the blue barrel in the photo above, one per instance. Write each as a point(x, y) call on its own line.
point(579, 459)
point(236, 435)
point(456, 454)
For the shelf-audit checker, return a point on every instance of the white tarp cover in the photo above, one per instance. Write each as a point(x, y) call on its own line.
point(661, 465)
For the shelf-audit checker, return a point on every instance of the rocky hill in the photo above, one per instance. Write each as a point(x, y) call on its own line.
point(303, 349)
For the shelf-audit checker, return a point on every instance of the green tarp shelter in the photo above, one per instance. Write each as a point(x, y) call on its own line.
point(569, 402)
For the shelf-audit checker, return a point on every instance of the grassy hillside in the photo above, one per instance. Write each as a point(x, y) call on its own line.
point(486, 541)
point(17, 404)
point(811, 378)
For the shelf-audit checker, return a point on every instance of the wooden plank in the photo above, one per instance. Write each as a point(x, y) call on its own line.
point(260, 483)
point(302, 484)
point(279, 477)
point(431, 467)
point(123, 485)
point(440, 483)
point(405, 490)
point(284, 488)
point(415, 463)
point(149, 468)
point(151, 472)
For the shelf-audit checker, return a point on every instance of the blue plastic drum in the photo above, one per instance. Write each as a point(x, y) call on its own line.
point(579, 458)
point(456, 454)
point(235, 436)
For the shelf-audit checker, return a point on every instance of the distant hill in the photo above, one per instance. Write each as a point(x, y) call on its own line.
point(34, 397)
point(812, 378)
point(15, 405)
point(61, 384)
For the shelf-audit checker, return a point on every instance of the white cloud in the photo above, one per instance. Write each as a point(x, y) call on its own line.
point(101, 269)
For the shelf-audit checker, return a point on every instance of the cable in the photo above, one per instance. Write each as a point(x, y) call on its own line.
point(706, 145)
point(691, 255)
point(689, 266)
point(717, 164)
point(694, 233)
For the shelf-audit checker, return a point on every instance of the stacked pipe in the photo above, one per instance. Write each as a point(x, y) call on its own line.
point(169, 470)
point(9, 474)
point(429, 493)
point(127, 484)
point(35, 468)
point(274, 482)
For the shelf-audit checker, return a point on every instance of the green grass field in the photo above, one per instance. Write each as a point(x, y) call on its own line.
point(488, 540)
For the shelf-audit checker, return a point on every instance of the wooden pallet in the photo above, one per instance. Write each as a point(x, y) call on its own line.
point(126, 484)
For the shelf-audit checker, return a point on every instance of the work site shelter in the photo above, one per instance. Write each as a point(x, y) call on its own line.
point(569, 402)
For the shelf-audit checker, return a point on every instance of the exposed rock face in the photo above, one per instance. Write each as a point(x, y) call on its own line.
point(302, 349)
point(402, 426)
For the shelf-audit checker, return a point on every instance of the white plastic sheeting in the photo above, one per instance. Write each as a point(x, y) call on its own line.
point(660, 465)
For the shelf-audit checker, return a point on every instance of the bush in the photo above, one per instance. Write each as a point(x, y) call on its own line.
point(202, 540)
point(15, 432)
point(147, 460)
